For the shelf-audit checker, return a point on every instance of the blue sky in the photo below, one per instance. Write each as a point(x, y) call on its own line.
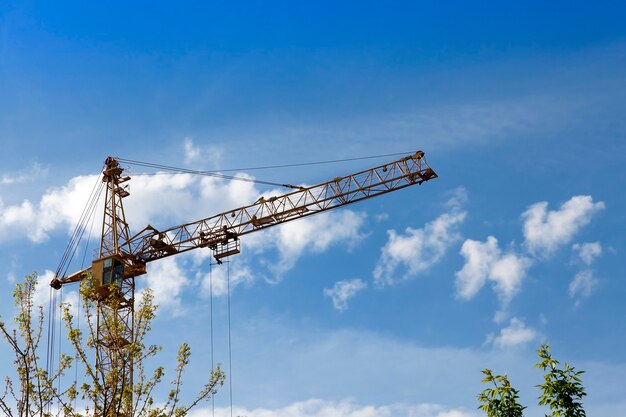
point(390, 307)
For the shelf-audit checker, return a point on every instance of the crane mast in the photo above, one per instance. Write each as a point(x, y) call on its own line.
point(123, 257)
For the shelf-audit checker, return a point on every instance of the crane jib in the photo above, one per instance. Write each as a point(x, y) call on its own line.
point(221, 232)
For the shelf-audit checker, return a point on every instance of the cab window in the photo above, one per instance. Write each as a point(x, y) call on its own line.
point(112, 272)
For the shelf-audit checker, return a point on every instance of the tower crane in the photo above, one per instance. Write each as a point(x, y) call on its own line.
point(122, 257)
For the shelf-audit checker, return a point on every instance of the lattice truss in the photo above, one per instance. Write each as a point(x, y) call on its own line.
point(221, 232)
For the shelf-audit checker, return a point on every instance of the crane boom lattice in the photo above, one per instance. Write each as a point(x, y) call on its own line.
point(224, 229)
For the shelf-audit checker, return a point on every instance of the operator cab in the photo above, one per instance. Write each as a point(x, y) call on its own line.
point(107, 271)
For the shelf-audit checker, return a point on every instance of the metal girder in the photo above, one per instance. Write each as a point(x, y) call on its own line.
point(223, 229)
point(115, 303)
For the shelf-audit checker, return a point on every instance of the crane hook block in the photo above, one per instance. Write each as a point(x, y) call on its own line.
point(55, 283)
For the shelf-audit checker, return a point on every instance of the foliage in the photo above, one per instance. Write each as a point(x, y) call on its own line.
point(35, 388)
point(104, 390)
point(562, 389)
point(502, 399)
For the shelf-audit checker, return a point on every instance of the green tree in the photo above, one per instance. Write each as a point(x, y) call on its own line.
point(33, 392)
point(501, 400)
point(38, 393)
point(562, 389)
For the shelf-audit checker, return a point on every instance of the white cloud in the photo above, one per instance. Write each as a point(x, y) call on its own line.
point(546, 230)
point(210, 155)
point(191, 152)
point(343, 291)
point(584, 282)
point(32, 173)
point(507, 274)
point(587, 252)
point(485, 261)
point(17, 219)
point(381, 217)
point(479, 257)
point(63, 206)
point(162, 200)
point(167, 279)
point(516, 334)
point(313, 234)
point(168, 200)
point(417, 249)
point(458, 198)
point(583, 285)
point(58, 207)
point(345, 408)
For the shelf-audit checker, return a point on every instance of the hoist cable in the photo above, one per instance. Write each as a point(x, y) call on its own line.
point(76, 357)
point(71, 247)
point(298, 164)
point(204, 173)
point(90, 215)
point(50, 295)
point(80, 228)
point(77, 234)
point(50, 354)
point(60, 340)
point(93, 220)
point(211, 318)
point(82, 265)
point(218, 173)
point(330, 161)
point(230, 350)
